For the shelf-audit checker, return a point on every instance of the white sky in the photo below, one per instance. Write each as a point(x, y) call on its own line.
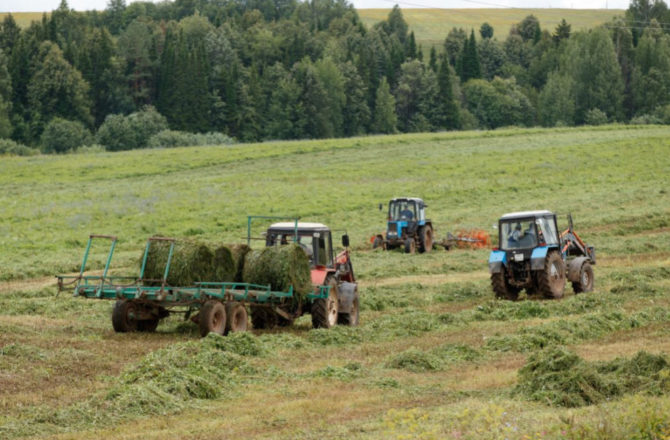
point(80, 5)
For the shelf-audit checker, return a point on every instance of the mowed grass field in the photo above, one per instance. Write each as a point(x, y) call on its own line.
point(434, 356)
point(23, 19)
point(431, 26)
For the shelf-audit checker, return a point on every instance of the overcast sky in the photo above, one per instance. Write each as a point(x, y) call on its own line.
point(80, 5)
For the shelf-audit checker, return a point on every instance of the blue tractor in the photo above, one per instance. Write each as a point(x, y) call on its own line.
point(407, 226)
point(534, 256)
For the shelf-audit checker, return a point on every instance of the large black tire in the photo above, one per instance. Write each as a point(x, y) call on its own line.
point(123, 316)
point(351, 319)
point(551, 279)
point(236, 317)
point(502, 289)
point(212, 318)
point(585, 283)
point(426, 239)
point(325, 310)
point(410, 246)
point(147, 325)
point(263, 317)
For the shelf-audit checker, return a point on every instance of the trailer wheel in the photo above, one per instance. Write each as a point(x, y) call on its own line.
point(585, 283)
point(324, 310)
point(410, 246)
point(237, 317)
point(123, 316)
point(426, 239)
point(502, 289)
point(212, 318)
point(551, 279)
point(263, 317)
point(147, 325)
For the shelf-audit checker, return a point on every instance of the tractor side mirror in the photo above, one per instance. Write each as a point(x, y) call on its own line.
point(345, 240)
point(381, 206)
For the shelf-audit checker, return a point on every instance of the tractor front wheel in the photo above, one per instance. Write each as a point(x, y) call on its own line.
point(351, 318)
point(236, 317)
point(212, 318)
point(551, 279)
point(325, 310)
point(426, 239)
point(585, 283)
point(124, 316)
point(502, 288)
point(410, 246)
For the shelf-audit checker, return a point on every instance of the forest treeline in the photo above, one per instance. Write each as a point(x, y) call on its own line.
point(194, 72)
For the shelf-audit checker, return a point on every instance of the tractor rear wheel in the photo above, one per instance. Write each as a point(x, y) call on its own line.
point(410, 246)
point(426, 239)
point(502, 289)
point(324, 310)
point(236, 317)
point(124, 316)
point(551, 279)
point(212, 318)
point(263, 317)
point(585, 283)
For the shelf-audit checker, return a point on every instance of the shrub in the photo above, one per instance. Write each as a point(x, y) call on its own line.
point(120, 132)
point(11, 148)
point(595, 116)
point(61, 136)
point(172, 138)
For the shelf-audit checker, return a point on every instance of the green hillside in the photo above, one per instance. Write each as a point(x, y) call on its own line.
point(434, 357)
point(431, 26)
point(23, 19)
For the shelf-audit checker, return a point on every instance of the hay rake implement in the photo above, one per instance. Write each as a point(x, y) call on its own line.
point(141, 303)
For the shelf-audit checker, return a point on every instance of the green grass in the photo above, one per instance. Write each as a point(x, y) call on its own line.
point(431, 26)
point(435, 355)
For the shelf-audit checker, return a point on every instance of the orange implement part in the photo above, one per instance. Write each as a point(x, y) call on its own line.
point(473, 239)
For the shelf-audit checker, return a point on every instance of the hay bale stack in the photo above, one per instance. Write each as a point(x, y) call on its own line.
point(191, 262)
point(281, 267)
point(239, 253)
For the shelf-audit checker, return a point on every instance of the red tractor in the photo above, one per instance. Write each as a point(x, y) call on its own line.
point(327, 269)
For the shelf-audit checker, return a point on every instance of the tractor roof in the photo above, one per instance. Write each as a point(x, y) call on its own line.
point(402, 199)
point(302, 226)
point(526, 214)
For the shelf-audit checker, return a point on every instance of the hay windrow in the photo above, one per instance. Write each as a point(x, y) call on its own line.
point(558, 377)
point(280, 267)
point(191, 262)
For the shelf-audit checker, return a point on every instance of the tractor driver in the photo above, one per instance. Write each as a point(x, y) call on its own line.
point(515, 235)
point(406, 213)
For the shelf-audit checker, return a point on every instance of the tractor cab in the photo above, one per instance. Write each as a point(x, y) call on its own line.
point(316, 240)
point(405, 215)
point(527, 230)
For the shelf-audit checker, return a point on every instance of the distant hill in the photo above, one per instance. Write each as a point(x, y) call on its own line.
point(431, 26)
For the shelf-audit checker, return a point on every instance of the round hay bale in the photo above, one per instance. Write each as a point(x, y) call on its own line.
point(191, 262)
point(239, 253)
point(224, 265)
point(281, 267)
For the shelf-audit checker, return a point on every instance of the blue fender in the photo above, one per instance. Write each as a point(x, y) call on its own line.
point(496, 261)
point(537, 257)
